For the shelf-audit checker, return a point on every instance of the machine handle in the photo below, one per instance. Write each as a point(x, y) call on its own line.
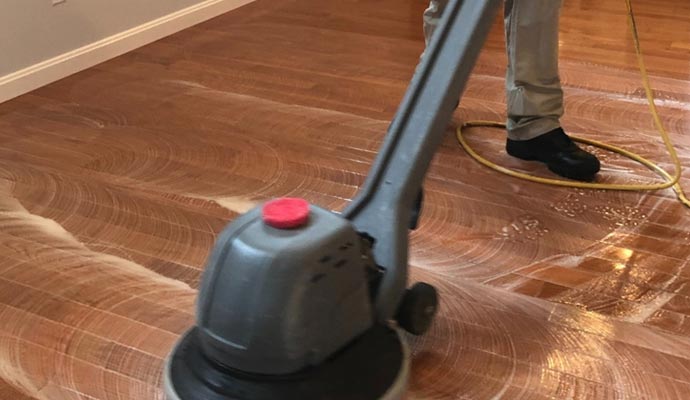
point(383, 207)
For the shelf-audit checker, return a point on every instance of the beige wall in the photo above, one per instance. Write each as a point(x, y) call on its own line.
point(32, 31)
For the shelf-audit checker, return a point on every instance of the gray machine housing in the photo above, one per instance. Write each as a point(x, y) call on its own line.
point(317, 272)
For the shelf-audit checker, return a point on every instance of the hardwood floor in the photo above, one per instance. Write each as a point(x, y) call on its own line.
point(114, 183)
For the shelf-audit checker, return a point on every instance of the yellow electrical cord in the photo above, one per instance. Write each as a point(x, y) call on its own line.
point(670, 180)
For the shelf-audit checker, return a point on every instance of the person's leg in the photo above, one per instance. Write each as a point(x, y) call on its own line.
point(535, 97)
point(533, 86)
point(432, 17)
point(534, 93)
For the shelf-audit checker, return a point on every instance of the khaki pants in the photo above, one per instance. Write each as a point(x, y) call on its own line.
point(533, 87)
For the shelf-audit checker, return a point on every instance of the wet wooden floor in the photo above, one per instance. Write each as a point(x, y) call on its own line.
point(115, 181)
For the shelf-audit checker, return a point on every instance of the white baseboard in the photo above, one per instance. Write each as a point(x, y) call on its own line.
point(54, 69)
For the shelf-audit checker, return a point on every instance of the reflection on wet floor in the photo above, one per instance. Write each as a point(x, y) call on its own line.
point(114, 183)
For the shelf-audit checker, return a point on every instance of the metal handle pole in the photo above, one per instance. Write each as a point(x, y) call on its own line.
point(382, 208)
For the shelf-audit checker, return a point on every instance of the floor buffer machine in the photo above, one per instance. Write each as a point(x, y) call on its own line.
point(298, 302)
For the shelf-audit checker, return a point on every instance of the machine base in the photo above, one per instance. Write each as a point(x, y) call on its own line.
point(374, 367)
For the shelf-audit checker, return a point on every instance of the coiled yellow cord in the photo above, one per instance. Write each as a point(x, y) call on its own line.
point(670, 180)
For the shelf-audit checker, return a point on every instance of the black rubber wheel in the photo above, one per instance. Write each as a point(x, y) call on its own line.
point(418, 308)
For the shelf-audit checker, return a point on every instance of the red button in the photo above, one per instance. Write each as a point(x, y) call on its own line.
point(286, 213)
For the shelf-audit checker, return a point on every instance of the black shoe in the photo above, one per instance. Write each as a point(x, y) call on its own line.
point(559, 153)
